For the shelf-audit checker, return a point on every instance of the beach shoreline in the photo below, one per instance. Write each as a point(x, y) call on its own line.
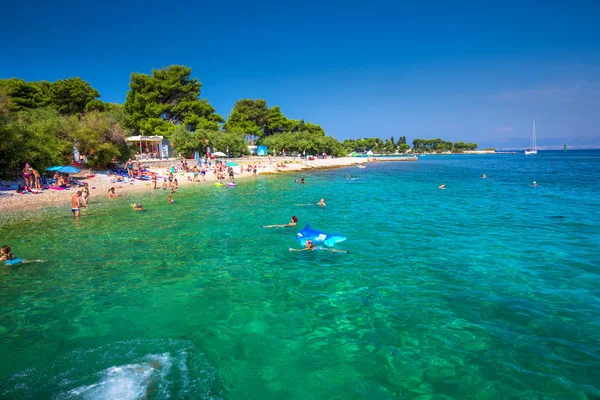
point(103, 180)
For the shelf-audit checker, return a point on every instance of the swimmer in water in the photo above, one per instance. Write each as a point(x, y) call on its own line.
point(170, 199)
point(347, 177)
point(137, 207)
point(6, 255)
point(293, 222)
point(321, 202)
point(534, 184)
point(443, 187)
point(309, 246)
point(484, 176)
point(302, 180)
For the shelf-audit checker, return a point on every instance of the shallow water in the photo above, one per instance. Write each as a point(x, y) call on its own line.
point(486, 290)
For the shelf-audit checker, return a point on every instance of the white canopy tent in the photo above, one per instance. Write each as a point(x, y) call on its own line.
point(147, 142)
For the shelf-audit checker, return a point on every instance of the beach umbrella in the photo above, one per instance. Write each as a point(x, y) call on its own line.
point(54, 168)
point(370, 153)
point(231, 164)
point(68, 170)
point(219, 154)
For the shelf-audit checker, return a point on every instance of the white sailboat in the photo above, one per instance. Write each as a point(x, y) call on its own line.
point(533, 149)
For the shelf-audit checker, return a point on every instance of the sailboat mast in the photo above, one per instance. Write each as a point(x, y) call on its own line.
point(534, 144)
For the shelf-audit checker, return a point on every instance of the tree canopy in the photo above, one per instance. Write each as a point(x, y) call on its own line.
point(158, 103)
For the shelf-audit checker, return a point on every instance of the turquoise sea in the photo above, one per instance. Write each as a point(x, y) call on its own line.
point(489, 289)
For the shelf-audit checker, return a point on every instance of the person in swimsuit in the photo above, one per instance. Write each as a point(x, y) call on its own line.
point(164, 184)
point(85, 193)
point(36, 178)
point(111, 193)
point(170, 199)
point(443, 187)
point(175, 184)
point(321, 202)
point(153, 180)
point(293, 222)
point(76, 203)
point(129, 166)
point(308, 246)
point(302, 180)
point(27, 175)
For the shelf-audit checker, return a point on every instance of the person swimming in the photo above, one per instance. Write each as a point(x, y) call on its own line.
point(534, 183)
point(293, 222)
point(10, 259)
point(484, 176)
point(137, 207)
point(170, 199)
point(321, 202)
point(5, 254)
point(442, 186)
point(309, 246)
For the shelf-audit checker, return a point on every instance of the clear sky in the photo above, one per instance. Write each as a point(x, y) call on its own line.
point(472, 71)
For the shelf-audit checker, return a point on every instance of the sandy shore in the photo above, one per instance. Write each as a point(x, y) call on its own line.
point(102, 181)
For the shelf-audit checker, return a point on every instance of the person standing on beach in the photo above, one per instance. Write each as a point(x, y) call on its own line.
point(35, 179)
point(129, 167)
point(153, 180)
point(27, 175)
point(76, 203)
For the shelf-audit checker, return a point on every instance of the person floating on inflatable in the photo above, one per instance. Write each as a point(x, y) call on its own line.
point(293, 222)
point(308, 246)
point(10, 259)
point(137, 207)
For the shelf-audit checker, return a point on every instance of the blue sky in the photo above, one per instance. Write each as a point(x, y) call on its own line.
point(470, 71)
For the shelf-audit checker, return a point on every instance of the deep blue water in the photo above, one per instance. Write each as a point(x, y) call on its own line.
point(486, 290)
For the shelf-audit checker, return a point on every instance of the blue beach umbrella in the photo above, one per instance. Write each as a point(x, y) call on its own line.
point(54, 168)
point(68, 170)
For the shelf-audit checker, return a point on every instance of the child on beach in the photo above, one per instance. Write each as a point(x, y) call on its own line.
point(111, 193)
point(164, 184)
point(175, 184)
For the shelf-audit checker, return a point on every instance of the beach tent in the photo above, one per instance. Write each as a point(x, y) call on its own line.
point(219, 154)
point(370, 153)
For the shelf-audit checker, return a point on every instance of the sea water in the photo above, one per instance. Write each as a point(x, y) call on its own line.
point(486, 290)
